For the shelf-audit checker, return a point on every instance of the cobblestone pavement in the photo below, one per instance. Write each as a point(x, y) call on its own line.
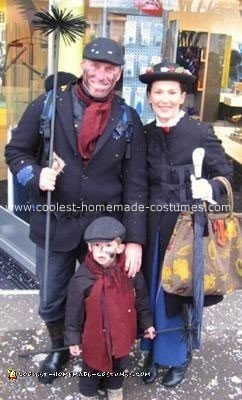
point(215, 372)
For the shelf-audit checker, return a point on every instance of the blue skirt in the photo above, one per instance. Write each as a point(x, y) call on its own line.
point(168, 349)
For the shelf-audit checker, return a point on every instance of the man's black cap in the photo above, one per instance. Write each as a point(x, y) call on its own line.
point(106, 50)
point(104, 229)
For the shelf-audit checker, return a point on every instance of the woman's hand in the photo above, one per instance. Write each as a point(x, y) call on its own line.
point(201, 189)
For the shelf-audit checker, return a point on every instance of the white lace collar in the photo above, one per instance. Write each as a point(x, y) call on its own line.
point(172, 122)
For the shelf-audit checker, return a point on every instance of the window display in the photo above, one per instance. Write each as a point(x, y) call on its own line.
point(142, 48)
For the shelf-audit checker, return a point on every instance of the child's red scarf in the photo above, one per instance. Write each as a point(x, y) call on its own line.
point(111, 324)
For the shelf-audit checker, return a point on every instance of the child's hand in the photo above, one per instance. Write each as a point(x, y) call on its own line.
point(150, 333)
point(75, 350)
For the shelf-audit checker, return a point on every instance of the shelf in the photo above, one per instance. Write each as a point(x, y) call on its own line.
point(233, 100)
point(210, 53)
point(233, 148)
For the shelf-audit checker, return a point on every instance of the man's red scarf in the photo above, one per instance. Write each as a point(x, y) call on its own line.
point(94, 121)
point(111, 324)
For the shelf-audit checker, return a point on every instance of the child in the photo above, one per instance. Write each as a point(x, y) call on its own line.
point(103, 309)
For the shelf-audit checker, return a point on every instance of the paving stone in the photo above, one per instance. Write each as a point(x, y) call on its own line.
point(215, 372)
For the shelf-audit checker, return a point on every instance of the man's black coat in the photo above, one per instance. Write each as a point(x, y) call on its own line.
point(108, 179)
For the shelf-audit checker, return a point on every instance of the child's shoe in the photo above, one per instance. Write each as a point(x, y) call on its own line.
point(101, 390)
point(115, 394)
point(88, 397)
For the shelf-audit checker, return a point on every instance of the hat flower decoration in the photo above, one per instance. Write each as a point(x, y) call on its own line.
point(179, 70)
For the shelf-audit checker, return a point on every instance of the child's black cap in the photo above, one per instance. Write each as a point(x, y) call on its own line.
point(104, 229)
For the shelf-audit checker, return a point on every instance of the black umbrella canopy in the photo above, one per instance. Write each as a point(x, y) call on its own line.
point(198, 255)
point(198, 275)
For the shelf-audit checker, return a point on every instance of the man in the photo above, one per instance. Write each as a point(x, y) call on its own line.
point(99, 160)
point(21, 195)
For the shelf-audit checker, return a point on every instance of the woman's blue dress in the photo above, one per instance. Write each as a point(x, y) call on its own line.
point(168, 349)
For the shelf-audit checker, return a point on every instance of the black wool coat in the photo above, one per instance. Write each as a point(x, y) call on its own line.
point(108, 179)
point(166, 153)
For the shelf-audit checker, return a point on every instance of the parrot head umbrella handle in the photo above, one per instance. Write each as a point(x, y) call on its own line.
point(197, 159)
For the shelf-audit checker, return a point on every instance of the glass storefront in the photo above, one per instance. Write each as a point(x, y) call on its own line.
point(23, 64)
point(205, 36)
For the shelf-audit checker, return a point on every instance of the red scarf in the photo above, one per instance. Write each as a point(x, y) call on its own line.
point(94, 120)
point(110, 325)
point(165, 129)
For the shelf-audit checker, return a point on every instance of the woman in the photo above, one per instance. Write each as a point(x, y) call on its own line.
point(171, 139)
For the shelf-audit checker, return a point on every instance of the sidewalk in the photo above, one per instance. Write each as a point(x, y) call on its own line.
point(215, 372)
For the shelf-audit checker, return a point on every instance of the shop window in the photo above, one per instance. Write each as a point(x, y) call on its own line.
point(23, 62)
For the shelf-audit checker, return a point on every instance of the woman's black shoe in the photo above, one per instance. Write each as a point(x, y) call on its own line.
point(151, 374)
point(175, 375)
point(150, 370)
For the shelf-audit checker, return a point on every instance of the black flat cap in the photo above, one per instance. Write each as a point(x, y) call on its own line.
point(104, 229)
point(106, 50)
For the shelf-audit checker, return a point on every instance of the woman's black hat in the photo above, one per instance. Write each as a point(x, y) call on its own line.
point(167, 72)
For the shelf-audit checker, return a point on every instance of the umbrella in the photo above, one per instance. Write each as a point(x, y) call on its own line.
point(198, 256)
point(64, 24)
point(186, 329)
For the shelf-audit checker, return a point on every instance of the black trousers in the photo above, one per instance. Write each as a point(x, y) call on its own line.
point(90, 379)
point(61, 268)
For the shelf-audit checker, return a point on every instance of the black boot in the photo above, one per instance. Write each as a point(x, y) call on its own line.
point(150, 369)
point(175, 375)
point(54, 362)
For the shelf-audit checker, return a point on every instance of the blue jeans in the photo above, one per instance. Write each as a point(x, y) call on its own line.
point(60, 270)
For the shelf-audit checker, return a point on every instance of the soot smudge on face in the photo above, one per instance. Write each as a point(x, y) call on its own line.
point(111, 254)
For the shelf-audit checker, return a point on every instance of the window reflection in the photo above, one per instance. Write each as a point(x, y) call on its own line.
point(23, 62)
